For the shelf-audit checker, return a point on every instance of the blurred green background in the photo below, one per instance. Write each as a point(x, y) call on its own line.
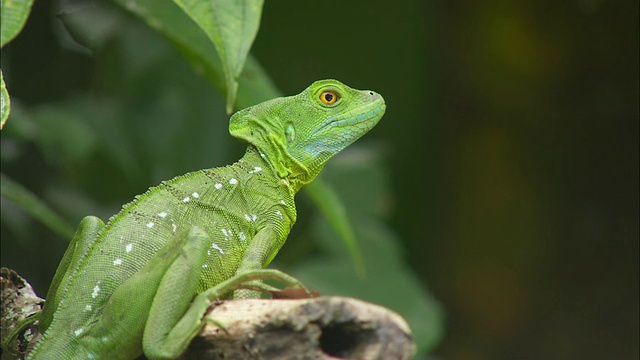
point(505, 169)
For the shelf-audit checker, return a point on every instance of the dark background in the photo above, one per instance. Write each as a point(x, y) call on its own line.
point(511, 136)
point(513, 128)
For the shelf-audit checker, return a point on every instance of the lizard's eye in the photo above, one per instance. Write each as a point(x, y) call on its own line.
point(329, 97)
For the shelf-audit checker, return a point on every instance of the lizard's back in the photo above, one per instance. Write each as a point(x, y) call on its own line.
point(230, 204)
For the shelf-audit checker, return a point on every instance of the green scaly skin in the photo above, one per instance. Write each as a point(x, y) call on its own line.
point(143, 282)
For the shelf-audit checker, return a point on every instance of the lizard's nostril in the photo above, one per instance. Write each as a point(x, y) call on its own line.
point(371, 93)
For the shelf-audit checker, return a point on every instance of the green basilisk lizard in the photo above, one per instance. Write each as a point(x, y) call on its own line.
point(142, 282)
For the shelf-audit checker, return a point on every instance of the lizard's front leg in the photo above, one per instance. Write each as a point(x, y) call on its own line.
point(257, 256)
point(172, 322)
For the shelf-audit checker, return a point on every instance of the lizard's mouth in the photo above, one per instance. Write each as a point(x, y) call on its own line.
point(363, 118)
point(341, 130)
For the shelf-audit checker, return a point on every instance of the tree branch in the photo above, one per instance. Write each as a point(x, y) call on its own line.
point(316, 328)
point(18, 301)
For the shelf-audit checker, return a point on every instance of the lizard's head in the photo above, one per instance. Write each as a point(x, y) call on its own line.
point(300, 133)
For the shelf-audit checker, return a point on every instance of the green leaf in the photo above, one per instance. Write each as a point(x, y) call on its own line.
point(31, 204)
point(331, 206)
point(14, 15)
point(231, 25)
point(165, 17)
point(5, 102)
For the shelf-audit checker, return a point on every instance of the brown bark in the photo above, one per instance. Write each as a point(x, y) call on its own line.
point(316, 328)
point(17, 301)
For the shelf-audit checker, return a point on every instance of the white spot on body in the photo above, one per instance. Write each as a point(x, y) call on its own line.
point(247, 217)
point(117, 262)
point(255, 170)
point(242, 236)
point(96, 291)
point(233, 181)
point(162, 214)
point(195, 195)
point(218, 186)
point(283, 202)
point(204, 266)
point(254, 217)
point(129, 247)
point(88, 307)
point(174, 227)
point(78, 331)
point(186, 200)
point(224, 231)
point(279, 214)
point(150, 224)
point(213, 245)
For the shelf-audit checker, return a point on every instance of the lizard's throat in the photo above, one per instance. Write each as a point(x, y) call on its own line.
point(291, 171)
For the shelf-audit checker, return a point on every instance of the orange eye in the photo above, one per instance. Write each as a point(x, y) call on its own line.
point(329, 97)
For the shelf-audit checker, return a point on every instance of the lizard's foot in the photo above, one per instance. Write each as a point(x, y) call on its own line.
point(249, 284)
